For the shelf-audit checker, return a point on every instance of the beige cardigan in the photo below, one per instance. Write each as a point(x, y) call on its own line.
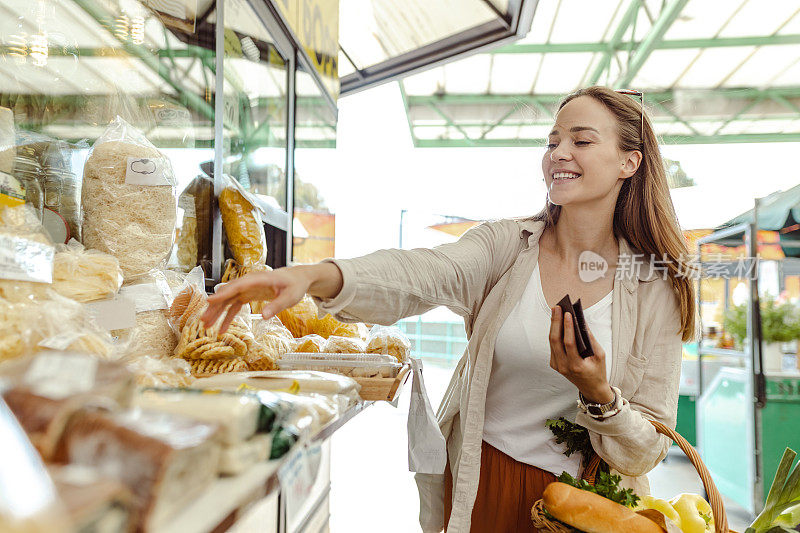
point(481, 277)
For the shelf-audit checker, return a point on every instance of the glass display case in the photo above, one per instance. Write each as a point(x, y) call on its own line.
point(210, 84)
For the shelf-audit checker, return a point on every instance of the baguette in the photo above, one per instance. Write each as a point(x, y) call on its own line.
point(593, 513)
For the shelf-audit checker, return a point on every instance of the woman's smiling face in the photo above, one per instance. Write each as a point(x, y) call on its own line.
point(583, 162)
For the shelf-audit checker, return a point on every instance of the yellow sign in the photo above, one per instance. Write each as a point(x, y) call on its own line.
point(316, 24)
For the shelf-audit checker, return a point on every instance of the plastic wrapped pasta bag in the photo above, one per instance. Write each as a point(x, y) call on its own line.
point(194, 239)
point(300, 319)
point(310, 344)
point(129, 200)
point(336, 344)
point(389, 340)
point(244, 227)
point(26, 255)
point(152, 334)
point(85, 275)
point(160, 372)
point(272, 326)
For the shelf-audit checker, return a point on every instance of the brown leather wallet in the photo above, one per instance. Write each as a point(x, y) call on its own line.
point(581, 334)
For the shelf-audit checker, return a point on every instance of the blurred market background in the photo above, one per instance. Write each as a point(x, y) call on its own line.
point(404, 124)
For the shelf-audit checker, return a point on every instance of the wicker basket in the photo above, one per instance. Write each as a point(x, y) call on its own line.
point(541, 522)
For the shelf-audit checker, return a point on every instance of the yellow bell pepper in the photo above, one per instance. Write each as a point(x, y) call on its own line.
point(662, 506)
point(695, 513)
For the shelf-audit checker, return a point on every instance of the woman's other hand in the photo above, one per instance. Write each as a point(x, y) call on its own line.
point(588, 374)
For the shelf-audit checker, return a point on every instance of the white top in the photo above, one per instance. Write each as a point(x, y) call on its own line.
point(524, 391)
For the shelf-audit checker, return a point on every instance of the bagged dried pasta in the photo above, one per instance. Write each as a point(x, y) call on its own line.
point(389, 340)
point(26, 255)
point(152, 335)
point(300, 319)
point(85, 275)
point(244, 227)
point(129, 200)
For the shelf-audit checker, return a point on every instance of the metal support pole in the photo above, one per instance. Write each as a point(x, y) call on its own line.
point(759, 383)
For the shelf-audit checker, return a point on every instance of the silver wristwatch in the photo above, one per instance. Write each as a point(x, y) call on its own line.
point(597, 410)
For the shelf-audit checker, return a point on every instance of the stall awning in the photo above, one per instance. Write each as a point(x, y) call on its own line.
point(382, 40)
point(773, 211)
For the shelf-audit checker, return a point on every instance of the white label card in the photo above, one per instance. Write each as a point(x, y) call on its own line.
point(186, 202)
point(117, 313)
point(26, 260)
point(146, 171)
point(146, 296)
point(57, 376)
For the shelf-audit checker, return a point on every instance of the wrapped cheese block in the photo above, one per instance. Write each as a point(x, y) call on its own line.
point(48, 390)
point(237, 415)
point(93, 503)
point(236, 459)
point(303, 382)
point(165, 460)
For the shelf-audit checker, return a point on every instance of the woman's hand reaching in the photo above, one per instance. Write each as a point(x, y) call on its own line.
point(282, 288)
point(589, 374)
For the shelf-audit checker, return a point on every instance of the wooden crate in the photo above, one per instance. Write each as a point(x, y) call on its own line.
point(383, 389)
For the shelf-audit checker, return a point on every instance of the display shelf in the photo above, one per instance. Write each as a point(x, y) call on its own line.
point(224, 497)
point(227, 496)
point(334, 425)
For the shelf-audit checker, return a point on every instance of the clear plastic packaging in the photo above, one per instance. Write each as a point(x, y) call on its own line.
point(165, 460)
point(301, 318)
point(152, 334)
point(26, 252)
point(389, 340)
point(342, 345)
point(194, 240)
point(129, 200)
point(85, 275)
point(160, 372)
point(237, 415)
point(28, 499)
point(300, 382)
point(48, 389)
point(207, 350)
point(347, 367)
point(236, 459)
point(310, 344)
point(243, 223)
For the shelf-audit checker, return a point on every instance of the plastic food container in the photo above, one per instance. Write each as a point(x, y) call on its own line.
point(353, 365)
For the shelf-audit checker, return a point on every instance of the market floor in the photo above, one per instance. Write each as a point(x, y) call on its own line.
point(372, 489)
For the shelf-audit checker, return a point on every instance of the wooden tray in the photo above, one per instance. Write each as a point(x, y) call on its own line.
point(383, 389)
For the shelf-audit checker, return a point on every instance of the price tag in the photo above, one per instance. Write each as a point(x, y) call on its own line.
point(146, 171)
point(186, 202)
point(116, 313)
point(145, 296)
point(26, 260)
point(296, 481)
point(57, 376)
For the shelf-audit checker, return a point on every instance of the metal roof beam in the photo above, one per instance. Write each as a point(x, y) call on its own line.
point(655, 96)
point(675, 44)
point(656, 34)
point(627, 19)
point(666, 139)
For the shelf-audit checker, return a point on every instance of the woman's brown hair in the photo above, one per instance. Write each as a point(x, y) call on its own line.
point(644, 214)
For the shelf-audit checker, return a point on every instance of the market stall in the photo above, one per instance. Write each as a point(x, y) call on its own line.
point(745, 392)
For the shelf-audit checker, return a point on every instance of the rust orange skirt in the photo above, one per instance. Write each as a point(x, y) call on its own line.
point(506, 492)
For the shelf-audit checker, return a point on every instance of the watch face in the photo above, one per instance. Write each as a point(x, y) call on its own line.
point(594, 410)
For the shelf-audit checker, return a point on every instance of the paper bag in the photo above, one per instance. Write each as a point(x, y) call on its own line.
point(427, 448)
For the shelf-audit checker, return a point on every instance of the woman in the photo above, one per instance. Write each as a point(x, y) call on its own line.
point(608, 203)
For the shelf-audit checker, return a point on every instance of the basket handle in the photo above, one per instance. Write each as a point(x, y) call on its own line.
point(714, 497)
